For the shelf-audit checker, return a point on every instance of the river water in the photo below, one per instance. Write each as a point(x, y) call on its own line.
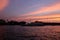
point(29, 32)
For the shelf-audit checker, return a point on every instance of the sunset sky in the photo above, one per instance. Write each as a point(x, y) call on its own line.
point(30, 10)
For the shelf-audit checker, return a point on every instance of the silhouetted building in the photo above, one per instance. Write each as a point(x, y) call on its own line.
point(36, 23)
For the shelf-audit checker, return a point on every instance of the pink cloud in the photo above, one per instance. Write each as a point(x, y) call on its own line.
point(3, 4)
point(53, 7)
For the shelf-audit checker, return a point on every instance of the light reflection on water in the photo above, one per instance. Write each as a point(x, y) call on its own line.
point(30, 33)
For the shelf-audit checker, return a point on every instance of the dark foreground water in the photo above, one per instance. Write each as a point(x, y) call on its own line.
point(30, 33)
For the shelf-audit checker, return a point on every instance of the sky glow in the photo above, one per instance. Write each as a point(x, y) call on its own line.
point(30, 10)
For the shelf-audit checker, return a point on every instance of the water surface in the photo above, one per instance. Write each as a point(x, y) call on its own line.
point(29, 32)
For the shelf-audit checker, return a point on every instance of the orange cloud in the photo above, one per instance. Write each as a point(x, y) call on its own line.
point(3, 4)
point(53, 7)
point(46, 18)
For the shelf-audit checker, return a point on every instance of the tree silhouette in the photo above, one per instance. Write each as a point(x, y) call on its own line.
point(38, 22)
point(22, 23)
point(2, 22)
point(12, 22)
